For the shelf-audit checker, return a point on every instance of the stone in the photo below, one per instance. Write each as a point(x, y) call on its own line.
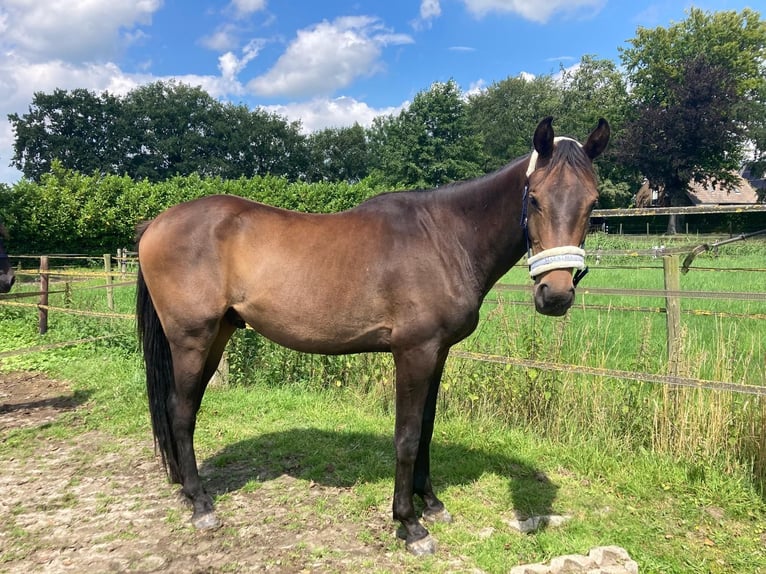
point(571, 563)
point(600, 560)
point(608, 555)
point(534, 523)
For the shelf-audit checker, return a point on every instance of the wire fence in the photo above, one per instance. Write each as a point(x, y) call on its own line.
point(126, 263)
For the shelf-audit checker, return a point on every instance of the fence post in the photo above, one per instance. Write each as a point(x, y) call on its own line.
point(109, 289)
point(670, 266)
point(42, 310)
point(124, 261)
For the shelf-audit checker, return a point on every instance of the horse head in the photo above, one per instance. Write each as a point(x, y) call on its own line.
point(561, 193)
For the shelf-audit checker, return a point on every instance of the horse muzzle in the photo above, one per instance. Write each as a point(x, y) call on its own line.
point(554, 293)
point(6, 281)
point(554, 289)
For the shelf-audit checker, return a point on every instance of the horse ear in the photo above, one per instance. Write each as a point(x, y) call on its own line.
point(543, 140)
point(597, 140)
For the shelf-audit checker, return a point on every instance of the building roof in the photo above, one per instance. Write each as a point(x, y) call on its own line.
point(707, 193)
point(703, 194)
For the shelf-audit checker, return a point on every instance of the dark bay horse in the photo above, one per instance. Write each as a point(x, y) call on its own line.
point(7, 277)
point(403, 272)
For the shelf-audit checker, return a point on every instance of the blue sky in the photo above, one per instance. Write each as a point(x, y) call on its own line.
point(324, 62)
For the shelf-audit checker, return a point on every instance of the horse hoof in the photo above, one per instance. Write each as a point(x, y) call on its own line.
point(422, 547)
point(441, 516)
point(206, 521)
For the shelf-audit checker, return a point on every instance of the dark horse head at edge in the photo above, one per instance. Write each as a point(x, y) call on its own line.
point(7, 276)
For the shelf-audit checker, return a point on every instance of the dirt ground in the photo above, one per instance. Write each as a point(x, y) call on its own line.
point(98, 504)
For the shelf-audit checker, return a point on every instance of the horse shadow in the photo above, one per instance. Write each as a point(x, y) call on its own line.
point(344, 459)
point(28, 412)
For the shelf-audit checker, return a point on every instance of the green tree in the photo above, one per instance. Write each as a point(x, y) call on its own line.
point(155, 132)
point(697, 87)
point(428, 144)
point(591, 90)
point(79, 128)
point(259, 143)
point(506, 114)
point(172, 131)
point(338, 154)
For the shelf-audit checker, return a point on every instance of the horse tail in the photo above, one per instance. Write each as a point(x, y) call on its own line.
point(159, 377)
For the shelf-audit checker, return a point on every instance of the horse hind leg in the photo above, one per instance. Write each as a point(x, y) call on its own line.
point(193, 370)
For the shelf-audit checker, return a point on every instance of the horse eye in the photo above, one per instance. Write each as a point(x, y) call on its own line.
point(533, 202)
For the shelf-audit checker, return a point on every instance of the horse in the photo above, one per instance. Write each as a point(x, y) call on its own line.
point(402, 272)
point(7, 277)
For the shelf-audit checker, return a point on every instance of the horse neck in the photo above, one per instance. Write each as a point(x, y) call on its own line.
point(489, 224)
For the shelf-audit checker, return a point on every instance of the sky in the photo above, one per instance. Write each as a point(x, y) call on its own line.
point(327, 63)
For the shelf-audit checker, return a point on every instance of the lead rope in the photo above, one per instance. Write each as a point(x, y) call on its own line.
point(564, 257)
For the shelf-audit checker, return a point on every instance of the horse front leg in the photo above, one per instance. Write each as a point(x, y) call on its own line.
point(415, 369)
point(434, 508)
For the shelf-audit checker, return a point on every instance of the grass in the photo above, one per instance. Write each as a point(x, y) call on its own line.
point(673, 475)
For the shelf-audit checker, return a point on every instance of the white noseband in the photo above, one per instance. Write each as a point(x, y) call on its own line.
point(564, 257)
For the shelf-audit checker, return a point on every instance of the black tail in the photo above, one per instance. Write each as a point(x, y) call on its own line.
point(159, 377)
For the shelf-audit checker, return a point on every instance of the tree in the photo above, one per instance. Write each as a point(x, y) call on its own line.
point(698, 86)
point(592, 90)
point(428, 144)
point(155, 132)
point(257, 142)
point(506, 114)
point(174, 129)
point(79, 128)
point(338, 154)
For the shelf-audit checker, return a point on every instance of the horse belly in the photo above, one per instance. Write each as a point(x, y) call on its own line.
point(313, 322)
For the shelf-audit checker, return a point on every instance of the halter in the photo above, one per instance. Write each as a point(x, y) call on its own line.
point(564, 257)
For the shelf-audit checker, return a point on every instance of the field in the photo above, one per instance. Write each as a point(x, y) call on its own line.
point(303, 472)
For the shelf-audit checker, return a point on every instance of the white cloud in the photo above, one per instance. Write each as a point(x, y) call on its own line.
point(246, 7)
point(223, 38)
point(326, 57)
point(566, 72)
point(533, 10)
point(72, 31)
point(231, 65)
point(475, 88)
point(430, 9)
point(560, 59)
point(323, 113)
